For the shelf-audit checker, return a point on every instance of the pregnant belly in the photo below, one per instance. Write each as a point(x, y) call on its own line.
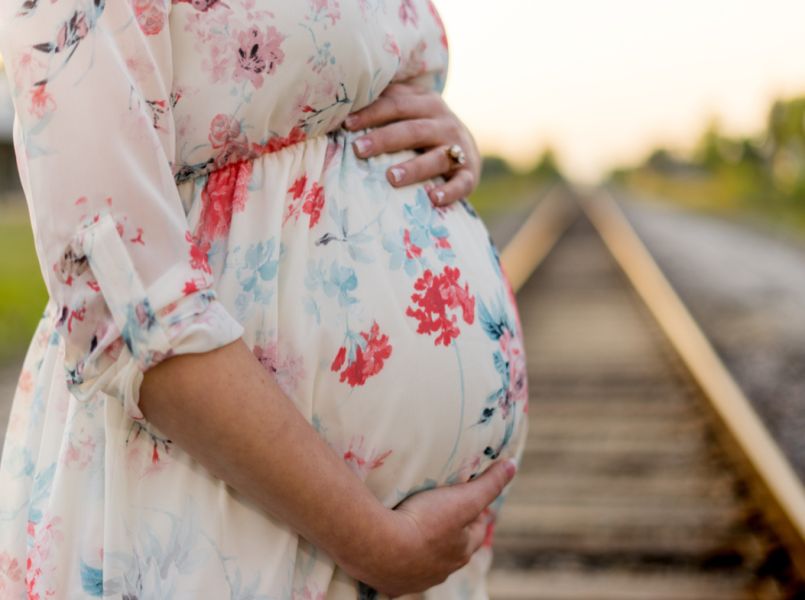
point(388, 321)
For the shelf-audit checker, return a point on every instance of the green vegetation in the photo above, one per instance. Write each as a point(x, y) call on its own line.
point(22, 291)
point(762, 176)
point(502, 189)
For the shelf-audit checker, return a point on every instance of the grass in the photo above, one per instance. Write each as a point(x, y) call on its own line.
point(495, 196)
point(22, 292)
point(729, 193)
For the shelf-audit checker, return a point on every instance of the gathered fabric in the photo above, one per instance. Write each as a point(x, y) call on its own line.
point(189, 184)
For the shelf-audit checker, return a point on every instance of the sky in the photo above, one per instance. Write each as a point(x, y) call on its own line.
point(603, 82)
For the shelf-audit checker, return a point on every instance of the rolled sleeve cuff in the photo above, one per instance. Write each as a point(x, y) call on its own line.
point(152, 326)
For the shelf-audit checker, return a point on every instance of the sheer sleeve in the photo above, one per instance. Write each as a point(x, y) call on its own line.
point(94, 139)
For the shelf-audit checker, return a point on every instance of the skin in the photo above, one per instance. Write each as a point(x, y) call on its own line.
point(225, 410)
point(226, 396)
point(408, 117)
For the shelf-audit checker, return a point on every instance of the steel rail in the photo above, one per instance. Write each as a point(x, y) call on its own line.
point(770, 467)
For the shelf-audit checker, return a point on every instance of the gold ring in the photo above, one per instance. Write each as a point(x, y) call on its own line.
point(456, 154)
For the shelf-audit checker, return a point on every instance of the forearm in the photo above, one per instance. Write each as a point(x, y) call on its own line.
point(228, 413)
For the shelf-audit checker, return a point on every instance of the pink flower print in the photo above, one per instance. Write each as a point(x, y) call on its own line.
point(151, 15)
point(511, 348)
point(258, 54)
point(328, 9)
point(434, 297)
point(308, 594)
point(439, 22)
point(41, 101)
point(223, 129)
point(202, 5)
point(43, 536)
point(362, 462)
point(10, 574)
point(390, 46)
point(408, 14)
point(25, 384)
point(414, 64)
point(218, 59)
point(288, 370)
point(368, 360)
point(79, 452)
point(228, 138)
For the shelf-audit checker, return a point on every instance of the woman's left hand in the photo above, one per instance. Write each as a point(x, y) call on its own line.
point(408, 117)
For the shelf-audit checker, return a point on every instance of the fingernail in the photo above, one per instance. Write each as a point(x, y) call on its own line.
point(439, 196)
point(511, 467)
point(351, 121)
point(396, 174)
point(362, 145)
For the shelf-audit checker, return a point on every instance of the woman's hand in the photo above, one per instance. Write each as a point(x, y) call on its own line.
point(433, 533)
point(408, 117)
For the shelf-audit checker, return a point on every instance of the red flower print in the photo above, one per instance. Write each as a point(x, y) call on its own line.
point(339, 359)
point(41, 101)
point(438, 294)
point(360, 461)
point(258, 53)
point(411, 249)
point(151, 15)
point(312, 205)
point(442, 242)
point(138, 239)
point(224, 193)
point(298, 187)
point(368, 361)
point(296, 135)
point(408, 13)
point(314, 202)
point(198, 254)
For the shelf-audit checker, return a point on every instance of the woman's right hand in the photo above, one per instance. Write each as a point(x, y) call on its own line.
point(434, 533)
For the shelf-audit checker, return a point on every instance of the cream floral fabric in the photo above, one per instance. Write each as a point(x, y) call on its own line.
point(189, 183)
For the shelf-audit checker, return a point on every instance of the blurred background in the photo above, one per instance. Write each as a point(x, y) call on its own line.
point(690, 113)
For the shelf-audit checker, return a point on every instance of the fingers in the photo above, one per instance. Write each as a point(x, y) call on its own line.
point(458, 186)
point(476, 531)
point(404, 135)
point(489, 485)
point(431, 164)
point(396, 105)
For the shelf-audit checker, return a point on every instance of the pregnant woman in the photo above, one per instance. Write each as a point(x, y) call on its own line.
point(269, 367)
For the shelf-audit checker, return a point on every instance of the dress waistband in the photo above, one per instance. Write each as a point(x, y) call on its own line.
point(236, 151)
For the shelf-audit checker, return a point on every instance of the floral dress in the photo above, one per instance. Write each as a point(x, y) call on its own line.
point(189, 183)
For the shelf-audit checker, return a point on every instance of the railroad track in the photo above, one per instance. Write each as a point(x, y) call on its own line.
point(644, 476)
